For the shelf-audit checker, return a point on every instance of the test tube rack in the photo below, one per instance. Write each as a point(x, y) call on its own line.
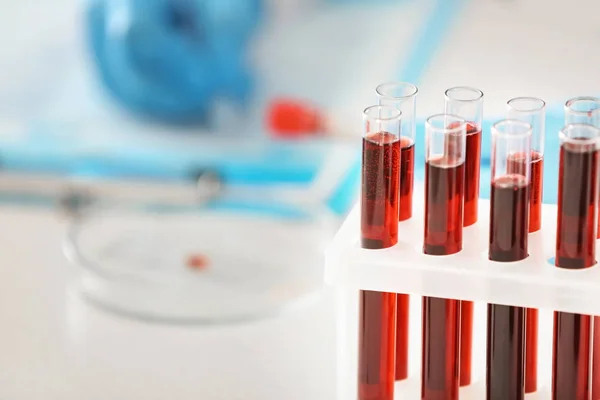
point(468, 275)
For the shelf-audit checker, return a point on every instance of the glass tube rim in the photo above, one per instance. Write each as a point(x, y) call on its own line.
point(381, 86)
point(569, 104)
point(479, 94)
point(541, 104)
point(397, 114)
point(565, 138)
point(496, 131)
point(458, 129)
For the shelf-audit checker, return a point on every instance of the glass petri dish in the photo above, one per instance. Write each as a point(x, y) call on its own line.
point(210, 264)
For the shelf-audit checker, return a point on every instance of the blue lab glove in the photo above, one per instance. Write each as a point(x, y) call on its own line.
point(171, 58)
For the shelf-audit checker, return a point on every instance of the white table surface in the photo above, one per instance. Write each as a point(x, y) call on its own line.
point(55, 346)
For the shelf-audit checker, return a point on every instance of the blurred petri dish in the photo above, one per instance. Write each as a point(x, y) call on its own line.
point(214, 265)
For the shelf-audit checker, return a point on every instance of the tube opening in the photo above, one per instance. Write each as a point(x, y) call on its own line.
point(463, 93)
point(396, 90)
point(526, 104)
point(512, 128)
point(449, 123)
point(382, 113)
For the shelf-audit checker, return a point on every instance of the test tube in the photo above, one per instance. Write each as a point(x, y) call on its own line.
point(586, 110)
point(583, 110)
point(467, 102)
point(509, 209)
point(533, 111)
point(575, 249)
point(444, 191)
point(403, 96)
point(380, 177)
point(379, 229)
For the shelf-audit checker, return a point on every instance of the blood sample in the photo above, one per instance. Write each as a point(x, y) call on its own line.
point(596, 360)
point(468, 103)
point(380, 177)
point(198, 262)
point(376, 350)
point(533, 111)
point(509, 209)
point(444, 179)
point(586, 110)
point(575, 249)
point(403, 96)
point(379, 229)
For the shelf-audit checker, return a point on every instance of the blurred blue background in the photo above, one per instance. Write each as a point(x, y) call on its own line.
point(142, 89)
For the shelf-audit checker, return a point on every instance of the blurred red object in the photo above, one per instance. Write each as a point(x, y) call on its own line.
point(197, 261)
point(288, 118)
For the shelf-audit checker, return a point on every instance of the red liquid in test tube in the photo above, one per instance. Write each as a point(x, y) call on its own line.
point(379, 229)
point(533, 111)
point(596, 359)
point(537, 179)
point(472, 167)
point(575, 249)
point(535, 224)
point(509, 219)
point(467, 102)
point(376, 350)
point(444, 180)
point(441, 329)
point(407, 172)
point(509, 214)
point(402, 96)
point(586, 110)
point(444, 191)
point(380, 185)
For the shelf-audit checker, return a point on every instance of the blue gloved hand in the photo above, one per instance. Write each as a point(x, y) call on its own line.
point(170, 58)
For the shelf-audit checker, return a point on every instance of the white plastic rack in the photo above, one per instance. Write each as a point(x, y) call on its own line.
point(534, 282)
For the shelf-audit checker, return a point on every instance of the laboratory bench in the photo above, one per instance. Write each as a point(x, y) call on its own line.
point(56, 346)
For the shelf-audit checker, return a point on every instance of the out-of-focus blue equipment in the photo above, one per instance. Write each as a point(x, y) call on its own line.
point(170, 59)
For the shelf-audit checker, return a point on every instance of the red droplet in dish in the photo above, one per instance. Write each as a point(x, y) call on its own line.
point(198, 262)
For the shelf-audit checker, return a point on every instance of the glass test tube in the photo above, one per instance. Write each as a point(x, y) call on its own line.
point(575, 249)
point(509, 209)
point(444, 190)
point(586, 110)
point(533, 111)
point(379, 229)
point(403, 96)
point(468, 103)
point(582, 110)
